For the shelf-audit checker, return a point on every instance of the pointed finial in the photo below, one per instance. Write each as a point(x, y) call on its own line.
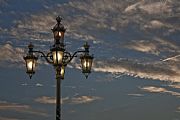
point(30, 46)
point(58, 19)
point(86, 47)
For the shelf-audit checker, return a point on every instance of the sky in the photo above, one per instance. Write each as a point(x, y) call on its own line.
point(136, 67)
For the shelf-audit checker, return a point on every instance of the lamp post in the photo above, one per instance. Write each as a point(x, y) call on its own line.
point(59, 58)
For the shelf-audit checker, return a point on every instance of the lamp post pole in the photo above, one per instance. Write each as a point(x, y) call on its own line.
point(58, 95)
point(59, 58)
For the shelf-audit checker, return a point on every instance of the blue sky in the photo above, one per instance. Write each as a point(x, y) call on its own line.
point(136, 70)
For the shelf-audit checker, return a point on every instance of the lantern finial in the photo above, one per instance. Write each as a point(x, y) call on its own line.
point(58, 19)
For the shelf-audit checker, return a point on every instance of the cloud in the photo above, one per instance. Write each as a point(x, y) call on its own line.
point(88, 18)
point(4, 106)
point(174, 58)
point(155, 24)
point(144, 46)
point(73, 100)
point(154, 70)
point(93, 21)
point(136, 95)
point(46, 100)
point(154, 89)
point(7, 118)
point(39, 85)
point(84, 99)
point(154, 46)
point(177, 86)
point(156, 7)
point(10, 54)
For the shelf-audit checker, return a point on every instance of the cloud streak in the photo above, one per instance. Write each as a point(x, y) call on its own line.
point(10, 54)
point(156, 71)
point(154, 89)
point(68, 100)
point(4, 106)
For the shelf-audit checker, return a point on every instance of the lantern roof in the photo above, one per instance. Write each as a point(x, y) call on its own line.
point(59, 26)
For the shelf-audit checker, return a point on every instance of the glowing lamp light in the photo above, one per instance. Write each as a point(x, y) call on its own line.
point(86, 64)
point(30, 64)
point(57, 54)
point(62, 71)
point(57, 35)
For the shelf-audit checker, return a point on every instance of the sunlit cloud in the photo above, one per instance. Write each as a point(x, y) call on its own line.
point(144, 46)
point(177, 86)
point(84, 99)
point(160, 7)
point(68, 100)
point(91, 20)
point(174, 58)
point(4, 106)
point(10, 54)
point(86, 18)
point(154, 89)
point(154, 46)
point(155, 70)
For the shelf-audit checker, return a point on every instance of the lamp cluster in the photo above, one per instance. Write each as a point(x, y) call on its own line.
point(58, 56)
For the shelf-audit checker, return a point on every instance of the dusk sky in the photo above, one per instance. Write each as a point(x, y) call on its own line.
point(136, 68)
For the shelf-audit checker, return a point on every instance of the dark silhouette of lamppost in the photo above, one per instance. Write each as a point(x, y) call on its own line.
point(59, 58)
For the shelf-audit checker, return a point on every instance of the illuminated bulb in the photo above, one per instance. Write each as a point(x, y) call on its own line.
point(86, 64)
point(30, 65)
point(59, 34)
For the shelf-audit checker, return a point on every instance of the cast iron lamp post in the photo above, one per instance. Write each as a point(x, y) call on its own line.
point(59, 58)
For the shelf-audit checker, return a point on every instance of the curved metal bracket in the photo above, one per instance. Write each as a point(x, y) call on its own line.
point(68, 57)
point(47, 57)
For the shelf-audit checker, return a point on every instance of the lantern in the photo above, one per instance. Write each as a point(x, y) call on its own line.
point(86, 64)
point(59, 31)
point(30, 64)
point(57, 54)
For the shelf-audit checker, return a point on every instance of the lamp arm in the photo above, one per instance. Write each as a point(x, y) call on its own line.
point(72, 56)
point(45, 56)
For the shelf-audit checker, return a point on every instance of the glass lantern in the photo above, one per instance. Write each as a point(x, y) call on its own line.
point(31, 61)
point(86, 64)
point(57, 54)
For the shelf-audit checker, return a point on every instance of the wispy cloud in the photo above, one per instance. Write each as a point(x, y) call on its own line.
point(154, 89)
point(174, 58)
point(10, 54)
point(46, 100)
point(8, 118)
point(155, 70)
point(68, 100)
point(136, 95)
point(4, 106)
point(92, 16)
point(177, 86)
point(154, 46)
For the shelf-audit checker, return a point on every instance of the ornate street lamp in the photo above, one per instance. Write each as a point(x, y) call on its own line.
point(59, 58)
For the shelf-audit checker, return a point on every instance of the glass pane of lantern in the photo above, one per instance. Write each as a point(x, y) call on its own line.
point(86, 62)
point(62, 72)
point(57, 57)
point(57, 34)
point(31, 64)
